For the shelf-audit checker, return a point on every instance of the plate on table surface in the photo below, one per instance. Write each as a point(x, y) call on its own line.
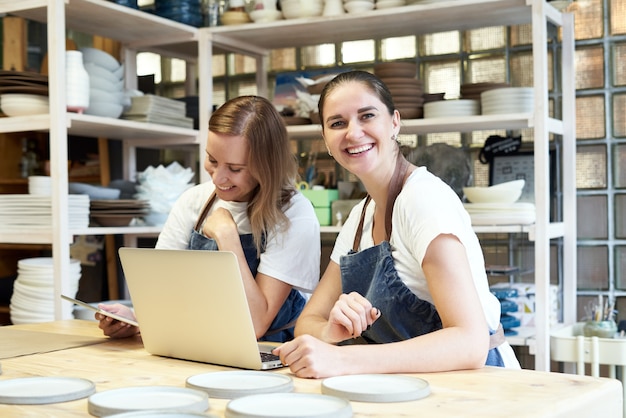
point(44, 390)
point(143, 398)
point(376, 388)
point(234, 384)
point(294, 405)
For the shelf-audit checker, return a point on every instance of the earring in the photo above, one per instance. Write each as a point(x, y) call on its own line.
point(394, 138)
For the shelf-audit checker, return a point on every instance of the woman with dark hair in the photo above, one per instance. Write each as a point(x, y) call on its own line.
point(406, 289)
point(252, 208)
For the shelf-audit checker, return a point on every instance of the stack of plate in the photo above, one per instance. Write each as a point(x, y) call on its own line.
point(519, 213)
point(40, 185)
point(508, 100)
point(24, 82)
point(472, 91)
point(150, 108)
point(20, 213)
point(387, 4)
point(33, 289)
point(407, 91)
point(451, 108)
point(117, 212)
point(19, 104)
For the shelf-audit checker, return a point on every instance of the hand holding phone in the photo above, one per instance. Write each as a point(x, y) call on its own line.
point(101, 311)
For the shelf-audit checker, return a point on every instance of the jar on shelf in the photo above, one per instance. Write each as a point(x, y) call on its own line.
point(76, 82)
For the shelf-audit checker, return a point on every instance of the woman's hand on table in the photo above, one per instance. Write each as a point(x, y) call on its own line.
point(309, 357)
point(112, 327)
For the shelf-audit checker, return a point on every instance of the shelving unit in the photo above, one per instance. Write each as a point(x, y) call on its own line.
point(139, 31)
point(257, 40)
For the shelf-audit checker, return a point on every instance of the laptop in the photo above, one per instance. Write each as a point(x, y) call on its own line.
point(191, 305)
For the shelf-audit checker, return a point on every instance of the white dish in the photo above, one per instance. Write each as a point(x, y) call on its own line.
point(99, 71)
point(24, 104)
point(158, 398)
point(262, 15)
point(294, 405)
point(44, 390)
point(161, 414)
point(234, 384)
point(105, 109)
point(101, 58)
point(387, 4)
point(376, 388)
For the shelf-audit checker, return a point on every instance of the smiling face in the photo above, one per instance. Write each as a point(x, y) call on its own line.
point(358, 129)
point(226, 162)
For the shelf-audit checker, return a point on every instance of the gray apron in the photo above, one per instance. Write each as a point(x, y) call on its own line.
point(281, 329)
point(372, 273)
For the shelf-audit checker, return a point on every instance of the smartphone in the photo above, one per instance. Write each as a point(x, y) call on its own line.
point(100, 311)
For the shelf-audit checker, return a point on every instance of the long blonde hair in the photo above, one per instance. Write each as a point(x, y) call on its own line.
point(270, 160)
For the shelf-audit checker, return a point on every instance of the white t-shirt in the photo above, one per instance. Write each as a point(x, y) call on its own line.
point(426, 208)
point(291, 256)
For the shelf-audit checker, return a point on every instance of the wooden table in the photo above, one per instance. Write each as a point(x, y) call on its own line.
point(488, 392)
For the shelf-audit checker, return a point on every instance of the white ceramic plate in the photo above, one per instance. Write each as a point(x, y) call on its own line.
point(294, 405)
point(376, 388)
point(234, 384)
point(142, 398)
point(44, 390)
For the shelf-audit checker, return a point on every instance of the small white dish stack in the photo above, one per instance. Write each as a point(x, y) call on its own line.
point(507, 100)
point(33, 289)
point(40, 185)
point(450, 108)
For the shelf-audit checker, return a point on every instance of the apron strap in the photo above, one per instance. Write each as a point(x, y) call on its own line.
point(395, 187)
point(205, 211)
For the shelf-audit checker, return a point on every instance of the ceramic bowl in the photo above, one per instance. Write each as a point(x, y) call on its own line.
point(100, 83)
point(98, 95)
point(358, 6)
point(98, 71)
point(500, 193)
point(265, 15)
point(234, 18)
point(105, 109)
point(294, 9)
point(98, 56)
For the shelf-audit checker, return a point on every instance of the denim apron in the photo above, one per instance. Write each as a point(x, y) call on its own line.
point(281, 329)
point(371, 272)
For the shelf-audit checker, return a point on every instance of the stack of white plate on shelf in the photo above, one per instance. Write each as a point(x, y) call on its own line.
point(33, 290)
point(451, 108)
point(518, 213)
point(150, 108)
point(22, 213)
point(106, 83)
point(387, 4)
point(507, 100)
point(40, 185)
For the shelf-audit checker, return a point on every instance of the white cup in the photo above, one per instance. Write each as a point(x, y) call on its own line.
point(265, 4)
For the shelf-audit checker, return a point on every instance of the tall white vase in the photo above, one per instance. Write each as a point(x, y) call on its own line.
point(76, 82)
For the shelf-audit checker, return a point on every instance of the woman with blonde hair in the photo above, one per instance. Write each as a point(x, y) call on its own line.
point(252, 208)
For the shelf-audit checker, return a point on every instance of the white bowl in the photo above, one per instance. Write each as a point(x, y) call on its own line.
point(100, 83)
point(94, 192)
point(98, 95)
point(23, 104)
point(493, 194)
point(294, 9)
point(101, 58)
point(109, 110)
point(98, 71)
point(358, 6)
point(265, 15)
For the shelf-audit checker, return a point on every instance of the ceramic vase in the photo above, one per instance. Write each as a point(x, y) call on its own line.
point(76, 82)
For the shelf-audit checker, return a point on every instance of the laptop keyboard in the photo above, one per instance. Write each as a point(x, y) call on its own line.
point(269, 357)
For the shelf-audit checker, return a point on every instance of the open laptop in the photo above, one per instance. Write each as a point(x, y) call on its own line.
point(191, 305)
